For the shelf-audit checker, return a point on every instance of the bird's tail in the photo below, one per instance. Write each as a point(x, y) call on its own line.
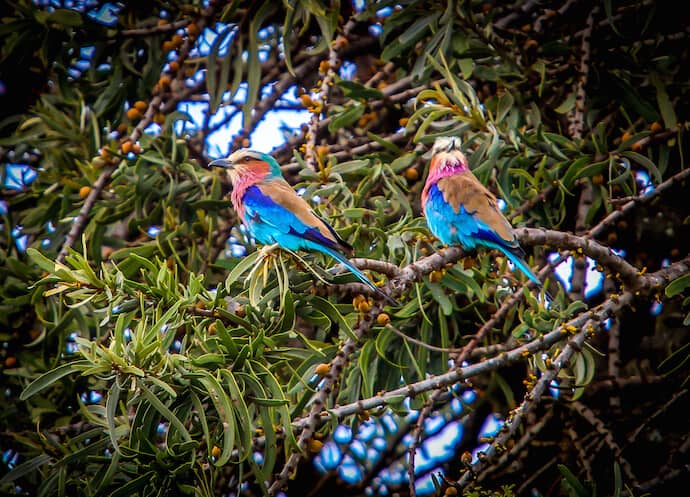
point(359, 274)
point(518, 261)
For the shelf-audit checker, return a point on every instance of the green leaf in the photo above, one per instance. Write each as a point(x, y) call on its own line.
point(409, 37)
point(132, 487)
point(327, 308)
point(617, 480)
point(66, 17)
point(351, 166)
point(242, 267)
point(505, 104)
point(665, 106)
point(466, 67)
point(677, 286)
point(644, 162)
point(220, 400)
point(571, 480)
point(25, 468)
point(567, 105)
point(440, 296)
point(158, 405)
point(48, 379)
point(346, 118)
point(253, 62)
point(358, 91)
point(110, 410)
point(216, 80)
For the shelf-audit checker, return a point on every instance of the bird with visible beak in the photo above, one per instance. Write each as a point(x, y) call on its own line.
point(274, 213)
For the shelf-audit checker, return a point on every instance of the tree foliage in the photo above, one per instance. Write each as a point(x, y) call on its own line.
point(150, 348)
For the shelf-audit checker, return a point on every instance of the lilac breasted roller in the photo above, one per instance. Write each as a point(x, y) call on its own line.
point(461, 211)
point(275, 214)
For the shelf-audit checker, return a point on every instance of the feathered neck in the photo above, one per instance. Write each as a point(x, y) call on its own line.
point(243, 177)
point(444, 164)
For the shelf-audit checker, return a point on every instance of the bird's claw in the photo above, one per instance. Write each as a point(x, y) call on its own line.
point(269, 251)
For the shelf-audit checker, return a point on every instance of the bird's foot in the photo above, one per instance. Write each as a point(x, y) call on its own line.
point(269, 251)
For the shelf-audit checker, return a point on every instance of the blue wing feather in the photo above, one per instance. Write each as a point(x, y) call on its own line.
point(270, 222)
point(462, 228)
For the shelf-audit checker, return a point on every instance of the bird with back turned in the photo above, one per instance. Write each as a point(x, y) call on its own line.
point(461, 211)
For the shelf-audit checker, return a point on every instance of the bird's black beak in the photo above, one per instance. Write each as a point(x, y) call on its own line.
point(220, 163)
point(453, 144)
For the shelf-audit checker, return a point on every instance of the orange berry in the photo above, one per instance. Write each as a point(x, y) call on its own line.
point(174, 66)
point(168, 46)
point(314, 446)
point(383, 319)
point(10, 361)
point(162, 22)
point(126, 147)
point(122, 128)
point(306, 100)
point(403, 121)
point(136, 148)
point(84, 191)
point(97, 162)
point(364, 306)
point(164, 82)
point(193, 29)
point(529, 44)
point(340, 42)
point(140, 105)
point(637, 146)
point(411, 174)
point(358, 299)
point(211, 328)
point(451, 491)
point(324, 66)
point(598, 179)
point(435, 276)
point(159, 118)
point(245, 142)
point(626, 136)
point(215, 451)
point(322, 369)
point(133, 114)
point(612, 238)
point(526, 28)
point(240, 312)
point(322, 150)
point(177, 41)
point(655, 127)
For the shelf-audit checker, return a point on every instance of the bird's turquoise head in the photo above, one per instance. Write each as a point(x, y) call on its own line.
point(245, 164)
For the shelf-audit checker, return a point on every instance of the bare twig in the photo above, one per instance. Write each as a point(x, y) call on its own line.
point(575, 128)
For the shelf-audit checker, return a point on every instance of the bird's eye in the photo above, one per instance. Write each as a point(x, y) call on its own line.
point(247, 159)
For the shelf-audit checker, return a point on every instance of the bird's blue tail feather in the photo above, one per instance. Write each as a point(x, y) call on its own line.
point(518, 261)
point(359, 274)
